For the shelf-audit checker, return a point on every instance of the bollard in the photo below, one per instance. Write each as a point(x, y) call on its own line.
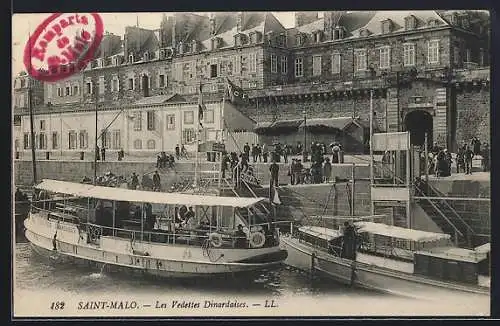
point(82, 155)
point(47, 155)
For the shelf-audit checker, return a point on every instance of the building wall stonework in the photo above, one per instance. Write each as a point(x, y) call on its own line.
point(473, 115)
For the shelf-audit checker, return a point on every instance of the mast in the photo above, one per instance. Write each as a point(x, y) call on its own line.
point(222, 131)
point(372, 208)
point(96, 137)
point(30, 107)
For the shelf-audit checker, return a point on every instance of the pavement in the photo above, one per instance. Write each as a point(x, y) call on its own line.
point(475, 176)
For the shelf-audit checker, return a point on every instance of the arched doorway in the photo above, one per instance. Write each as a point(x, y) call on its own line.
point(418, 123)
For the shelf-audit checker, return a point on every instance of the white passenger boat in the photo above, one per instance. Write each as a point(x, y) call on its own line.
point(151, 232)
point(391, 259)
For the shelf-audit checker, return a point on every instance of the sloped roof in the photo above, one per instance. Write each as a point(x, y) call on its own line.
point(110, 45)
point(254, 21)
point(140, 40)
point(311, 27)
point(159, 99)
point(398, 19)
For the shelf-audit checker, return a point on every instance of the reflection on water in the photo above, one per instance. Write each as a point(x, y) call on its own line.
point(37, 276)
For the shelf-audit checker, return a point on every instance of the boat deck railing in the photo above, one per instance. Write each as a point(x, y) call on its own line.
point(205, 237)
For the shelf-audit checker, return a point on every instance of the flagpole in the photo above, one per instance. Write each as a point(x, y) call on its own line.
point(222, 131)
point(30, 107)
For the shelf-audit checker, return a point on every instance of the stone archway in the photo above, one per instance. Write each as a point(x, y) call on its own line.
point(419, 122)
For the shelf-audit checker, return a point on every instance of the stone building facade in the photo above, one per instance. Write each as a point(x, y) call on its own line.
point(429, 70)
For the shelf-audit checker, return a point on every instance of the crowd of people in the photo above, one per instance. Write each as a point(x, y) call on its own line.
point(440, 160)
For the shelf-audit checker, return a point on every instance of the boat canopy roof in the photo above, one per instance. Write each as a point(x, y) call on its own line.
point(399, 232)
point(320, 232)
point(485, 248)
point(121, 194)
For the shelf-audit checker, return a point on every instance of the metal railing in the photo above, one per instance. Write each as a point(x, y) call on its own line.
point(190, 237)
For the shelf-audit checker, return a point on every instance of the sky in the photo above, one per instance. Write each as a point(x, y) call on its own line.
point(24, 24)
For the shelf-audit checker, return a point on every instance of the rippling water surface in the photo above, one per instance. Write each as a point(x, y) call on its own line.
point(38, 284)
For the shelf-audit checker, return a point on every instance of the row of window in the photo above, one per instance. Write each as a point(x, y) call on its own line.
point(108, 139)
point(208, 117)
point(67, 90)
point(130, 84)
point(361, 59)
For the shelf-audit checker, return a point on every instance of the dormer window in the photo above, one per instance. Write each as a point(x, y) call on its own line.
point(452, 18)
point(131, 58)
point(194, 46)
point(465, 22)
point(318, 36)
point(410, 22)
point(255, 37)
point(99, 63)
point(115, 60)
point(364, 32)
point(386, 26)
point(270, 38)
point(432, 22)
point(145, 56)
point(215, 43)
point(282, 40)
point(238, 39)
point(299, 39)
point(338, 33)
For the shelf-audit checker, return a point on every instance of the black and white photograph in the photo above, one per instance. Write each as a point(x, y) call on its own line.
point(251, 164)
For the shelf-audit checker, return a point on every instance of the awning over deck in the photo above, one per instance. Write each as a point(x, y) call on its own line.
point(140, 196)
point(321, 233)
point(338, 124)
point(399, 232)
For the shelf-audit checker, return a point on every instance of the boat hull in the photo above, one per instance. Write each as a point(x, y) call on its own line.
point(163, 260)
point(307, 258)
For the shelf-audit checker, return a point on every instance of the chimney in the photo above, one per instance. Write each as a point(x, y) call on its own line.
point(305, 17)
point(212, 24)
point(240, 21)
point(174, 22)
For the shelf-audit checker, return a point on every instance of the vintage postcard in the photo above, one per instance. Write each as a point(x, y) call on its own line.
point(249, 164)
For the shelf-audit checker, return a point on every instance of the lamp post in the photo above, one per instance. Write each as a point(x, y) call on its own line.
point(304, 148)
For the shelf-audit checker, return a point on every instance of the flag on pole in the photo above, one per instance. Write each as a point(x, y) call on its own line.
point(201, 107)
point(236, 94)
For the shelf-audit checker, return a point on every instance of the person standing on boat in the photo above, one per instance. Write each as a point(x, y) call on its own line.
point(156, 181)
point(241, 237)
point(135, 181)
point(274, 171)
point(349, 242)
point(189, 215)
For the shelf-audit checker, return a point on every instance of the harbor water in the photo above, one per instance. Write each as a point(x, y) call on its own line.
point(40, 287)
